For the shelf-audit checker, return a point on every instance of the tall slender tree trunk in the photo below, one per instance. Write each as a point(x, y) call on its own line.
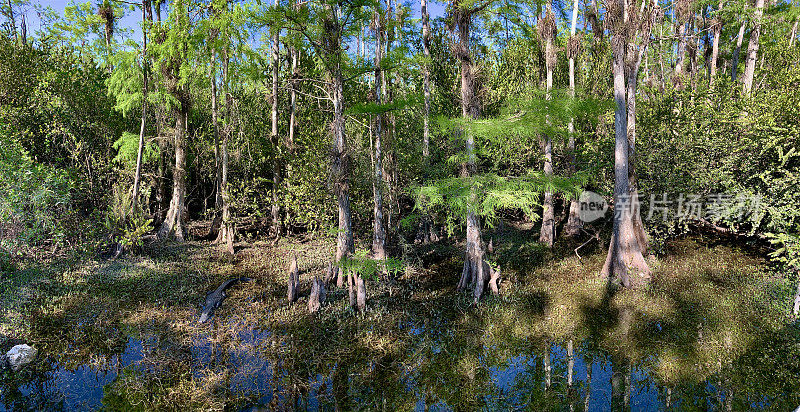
point(473, 261)
point(793, 33)
point(717, 27)
point(13, 23)
point(637, 54)
point(796, 303)
point(681, 51)
point(752, 48)
point(227, 230)
point(574, 223)
point(547, 31)
point(390, 175)
point(293, 99)
point(173, 223)
point(340, 158)
point(140, 150)
point(341, 174)
point(625, 263)
point(426, 77)
point(278, 164)
point(379, 233)
point(737, 50)
point(217, 222)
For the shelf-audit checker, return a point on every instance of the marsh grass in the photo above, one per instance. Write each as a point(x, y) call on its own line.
point(708, 310)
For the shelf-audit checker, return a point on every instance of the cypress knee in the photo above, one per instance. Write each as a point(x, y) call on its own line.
point(317, 295)
point(293, 281)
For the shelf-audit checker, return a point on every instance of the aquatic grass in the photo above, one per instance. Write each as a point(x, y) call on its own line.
point(708, 306)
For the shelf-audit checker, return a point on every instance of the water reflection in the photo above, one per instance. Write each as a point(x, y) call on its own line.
point(534, 352)
point(536, 374)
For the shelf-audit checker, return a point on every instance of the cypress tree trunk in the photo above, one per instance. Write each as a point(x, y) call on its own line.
point(796, 305)
point(277, 166)
point(293, 99)
point(13, 23)
point(637, 54)
point(140, 150)
point(340, 159)
point(752, 48)
point(379, 233)
point(215, 224)
point(547, 32)
point(472, 271)
point(625, 263)
point(426, 77)
point(717, 27)
point(226, 233)
point(574, 223)
point(172, 225)
point(737, 50)
point(681, 51)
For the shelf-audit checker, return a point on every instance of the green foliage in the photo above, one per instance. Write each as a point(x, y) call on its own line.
point(127, 147)
point(124, 226)
point(787, 249)
point(33, 198)
point(487, 194)
point(361, 264)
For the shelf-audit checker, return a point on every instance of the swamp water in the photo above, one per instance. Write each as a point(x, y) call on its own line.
point(710, 333)
point(541, 375)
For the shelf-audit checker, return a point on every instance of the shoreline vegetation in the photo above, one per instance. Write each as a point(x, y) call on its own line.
point(709, 306)
point(399, 205)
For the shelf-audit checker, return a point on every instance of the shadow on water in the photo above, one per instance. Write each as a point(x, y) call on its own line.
point(699, 342)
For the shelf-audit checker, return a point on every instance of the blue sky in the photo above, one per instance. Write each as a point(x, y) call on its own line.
point(131, 21)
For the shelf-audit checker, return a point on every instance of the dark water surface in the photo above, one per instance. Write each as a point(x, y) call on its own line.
point(491, 377)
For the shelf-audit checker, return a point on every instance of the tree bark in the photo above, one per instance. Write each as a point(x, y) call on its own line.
point(796, 307)
point(226, 233)
point(737, 50)
point(379, 233)
point(632, 80)
point(317, 296)
point(293, 99)
point(140, 151)
point(548, 230)
point(278, 164)
point(361, 293)
point(625, 265)
point(793, 34)
point(426, 77)
point(574, 223)
point(173, 223)
point(340, 159)
point(213, 231)
point(13, 23)
point(717, 22)
point(293, 280)
point(469, 109)
point(752, 49)
point(681, 50)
